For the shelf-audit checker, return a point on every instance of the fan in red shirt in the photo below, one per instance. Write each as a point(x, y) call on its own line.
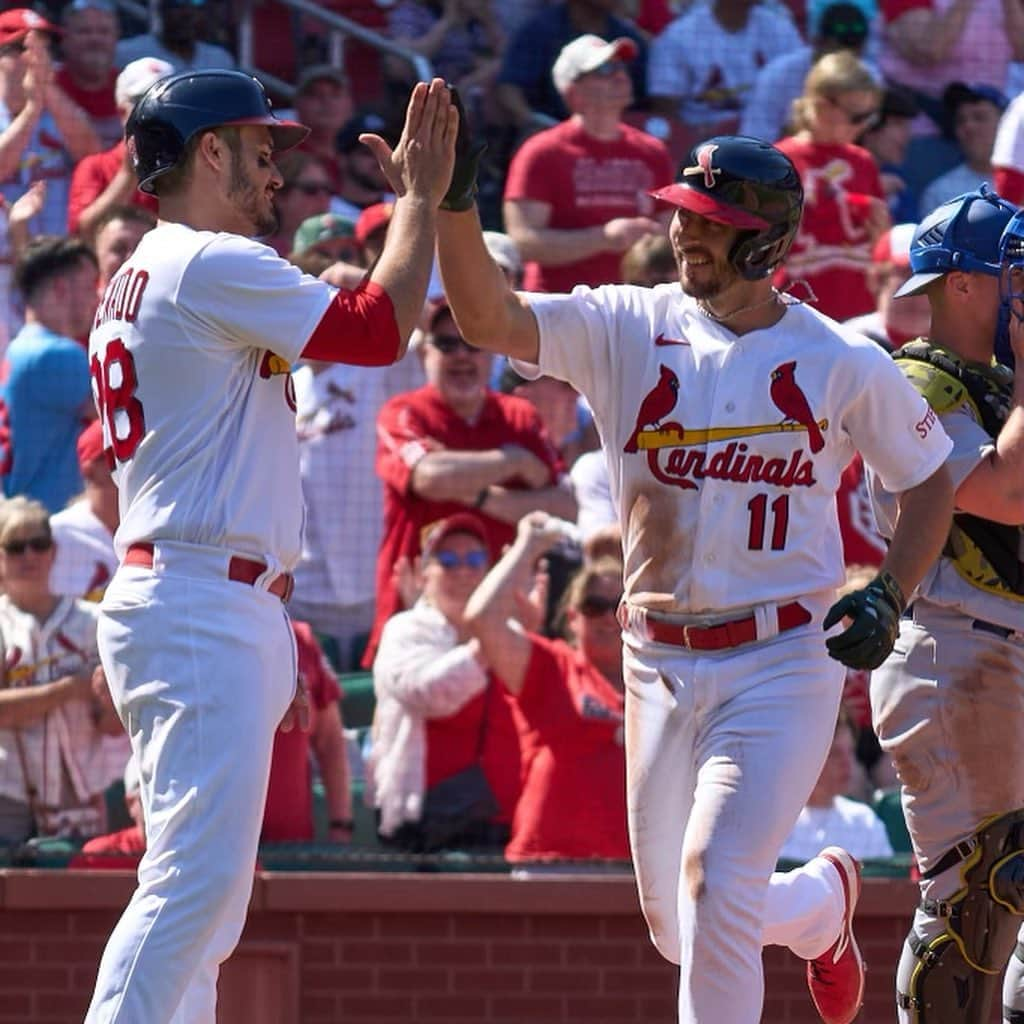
point(452, 445)
point(568, 701)
point(577, 197)
point(845, 209)
point(105, 180)
point(88, 74)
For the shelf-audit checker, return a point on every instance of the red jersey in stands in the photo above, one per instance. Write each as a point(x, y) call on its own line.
point(586, 182)
point(408, 427)
point(99, 104)
point(482, 729)
point(573, 802)
point(832, 251)
point(862, 543)
point(91, 177)
point(288, 815)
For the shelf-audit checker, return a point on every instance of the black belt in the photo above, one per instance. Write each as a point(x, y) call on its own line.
point(983, 626)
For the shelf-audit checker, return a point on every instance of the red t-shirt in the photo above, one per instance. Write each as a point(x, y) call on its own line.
point(570, 719)
point(288, 815)
point(586, 182)
point(456, 741)
point(832, 251)
point(416, 422)
point(91, 176)
point(862, 543)
point(117, 850)
point(100, 104)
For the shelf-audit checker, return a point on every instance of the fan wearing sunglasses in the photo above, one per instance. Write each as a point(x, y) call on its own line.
point(439, 712)
point(568, 696)
point(51, 724)
point(305, 192)
point(845, 210)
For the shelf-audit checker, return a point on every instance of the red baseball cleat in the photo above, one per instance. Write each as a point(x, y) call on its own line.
point(836, 978)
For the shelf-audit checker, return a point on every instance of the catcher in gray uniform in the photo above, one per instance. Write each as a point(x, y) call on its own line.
point(948, 704)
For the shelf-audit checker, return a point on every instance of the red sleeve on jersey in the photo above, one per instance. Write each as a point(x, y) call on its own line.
point(893, 9)
point(1009, 184)
point(358, 328)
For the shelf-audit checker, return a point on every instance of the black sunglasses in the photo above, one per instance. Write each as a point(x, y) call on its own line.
point(12, 49)
point(311, 188)
point(864, 117)
point(593, 606)
point(449, 343)
point(18, 547)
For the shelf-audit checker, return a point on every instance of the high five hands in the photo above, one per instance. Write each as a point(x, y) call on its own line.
point(436, 157)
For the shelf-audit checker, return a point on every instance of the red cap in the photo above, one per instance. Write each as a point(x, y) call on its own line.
point(441, 529)
point(372, 219)
point(17, 23)
point(90, 444)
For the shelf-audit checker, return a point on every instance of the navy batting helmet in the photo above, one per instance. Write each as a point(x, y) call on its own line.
point(748, 184)
point(961, 234)
point(176, 108)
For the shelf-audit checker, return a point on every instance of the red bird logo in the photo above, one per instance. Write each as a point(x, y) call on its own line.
point(660, 401)
point(792, 403)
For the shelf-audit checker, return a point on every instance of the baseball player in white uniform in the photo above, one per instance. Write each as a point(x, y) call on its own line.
point(190, 354)
point(727, 414)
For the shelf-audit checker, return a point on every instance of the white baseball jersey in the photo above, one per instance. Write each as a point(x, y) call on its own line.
point(85, 559)
point(63, 749)
point(725, 452)
point(714, 79)
point(190, 356)
point(1008, 150)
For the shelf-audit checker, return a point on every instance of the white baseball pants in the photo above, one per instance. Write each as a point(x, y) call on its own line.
point(201, 670)
point(722, 751)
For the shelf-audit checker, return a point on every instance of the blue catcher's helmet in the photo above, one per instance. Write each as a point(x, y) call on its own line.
point(1011, 284)
point(962, 234)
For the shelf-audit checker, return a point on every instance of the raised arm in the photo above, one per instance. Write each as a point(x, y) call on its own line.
point(491, 610)
point(489, 314)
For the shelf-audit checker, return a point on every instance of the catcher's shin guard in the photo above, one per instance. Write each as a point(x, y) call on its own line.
point(956, 973)
point(943, 987)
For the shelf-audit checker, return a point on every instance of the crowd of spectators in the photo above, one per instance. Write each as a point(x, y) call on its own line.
point(460, 539)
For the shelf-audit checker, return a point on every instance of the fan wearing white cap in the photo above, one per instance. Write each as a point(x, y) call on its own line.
point(525, 90)
point(577, 195)
point(105, 180)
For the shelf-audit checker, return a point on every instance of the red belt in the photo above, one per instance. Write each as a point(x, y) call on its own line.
point(241, 570)
point(724, 634)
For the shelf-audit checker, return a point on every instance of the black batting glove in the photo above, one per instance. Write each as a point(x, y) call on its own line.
point(461, 194)
point(870, 637)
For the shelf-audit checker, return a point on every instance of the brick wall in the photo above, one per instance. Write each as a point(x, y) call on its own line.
point(374, 949)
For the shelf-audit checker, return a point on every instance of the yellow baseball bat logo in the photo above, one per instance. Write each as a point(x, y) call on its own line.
point(682, 437)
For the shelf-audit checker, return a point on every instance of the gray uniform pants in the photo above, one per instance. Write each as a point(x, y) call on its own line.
point(948, 706)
